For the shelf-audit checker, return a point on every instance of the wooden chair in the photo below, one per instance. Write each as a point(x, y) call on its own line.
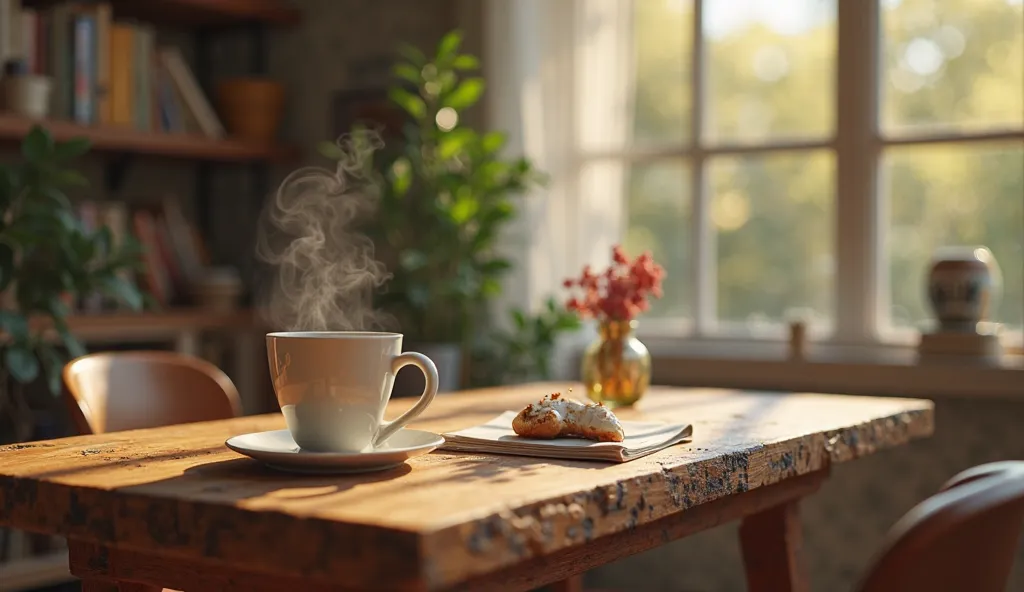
point(116, 391)
point(962, 538)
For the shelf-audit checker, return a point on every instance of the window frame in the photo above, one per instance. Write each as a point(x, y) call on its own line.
point(860, 314)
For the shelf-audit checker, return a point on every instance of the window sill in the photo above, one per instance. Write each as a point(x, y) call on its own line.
point(858, 370)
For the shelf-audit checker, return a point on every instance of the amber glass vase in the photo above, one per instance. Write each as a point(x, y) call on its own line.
point(616, 368)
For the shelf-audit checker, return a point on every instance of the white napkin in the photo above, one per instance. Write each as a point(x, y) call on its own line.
point(497, 436)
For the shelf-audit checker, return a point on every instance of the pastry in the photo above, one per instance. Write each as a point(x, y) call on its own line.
point(555, 416)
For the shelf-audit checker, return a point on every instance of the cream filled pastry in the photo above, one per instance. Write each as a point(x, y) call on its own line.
point(554, 416)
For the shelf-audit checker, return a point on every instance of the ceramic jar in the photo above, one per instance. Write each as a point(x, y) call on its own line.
point(963, 287)
point(27, 95)
point(616, 369)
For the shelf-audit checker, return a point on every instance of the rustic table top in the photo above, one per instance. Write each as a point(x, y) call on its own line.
point(443, 518)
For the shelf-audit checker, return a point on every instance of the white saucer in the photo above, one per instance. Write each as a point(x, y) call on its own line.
point(278, 450)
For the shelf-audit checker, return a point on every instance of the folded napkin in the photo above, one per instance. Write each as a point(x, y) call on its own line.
point(497, 436)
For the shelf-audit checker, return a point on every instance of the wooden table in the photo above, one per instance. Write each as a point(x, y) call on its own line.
point(173, 507)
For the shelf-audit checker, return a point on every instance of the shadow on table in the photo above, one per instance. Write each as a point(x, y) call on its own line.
point(238, 479)
point(252, 478)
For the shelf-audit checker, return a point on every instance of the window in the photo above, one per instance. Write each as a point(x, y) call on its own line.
point(725, 135)
point(777, 157)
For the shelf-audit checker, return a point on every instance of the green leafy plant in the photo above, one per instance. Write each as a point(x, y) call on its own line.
point(523, 353)
point(446, 192)
point(47, 257)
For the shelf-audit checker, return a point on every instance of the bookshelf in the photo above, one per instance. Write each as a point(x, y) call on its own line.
point(125, 140)
point(119, 145)
point(158, 325)
point(199, 13)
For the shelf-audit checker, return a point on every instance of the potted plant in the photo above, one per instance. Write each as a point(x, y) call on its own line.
point(522, 353)
point(46, 260)
point(446, 193)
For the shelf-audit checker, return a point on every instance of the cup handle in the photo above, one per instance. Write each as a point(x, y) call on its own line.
point(426, 365)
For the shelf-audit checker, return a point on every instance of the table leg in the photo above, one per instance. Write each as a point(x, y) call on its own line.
point(569, 584)
point(92, 585)
point(773, 550)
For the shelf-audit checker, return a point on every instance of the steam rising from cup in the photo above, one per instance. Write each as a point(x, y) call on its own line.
point(324, 269)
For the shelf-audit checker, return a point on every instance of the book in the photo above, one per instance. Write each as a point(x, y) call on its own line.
point(104, 22)
point(122, 88)
point(84, 43)
point(497, 437)
point(61, 66)
point(154, 274)
point(141, 75)
point(180, 234)
point(29, 39)
point(189, 89)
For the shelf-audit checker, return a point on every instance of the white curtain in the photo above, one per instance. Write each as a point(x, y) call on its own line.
point(604, 94)
point(560, 76)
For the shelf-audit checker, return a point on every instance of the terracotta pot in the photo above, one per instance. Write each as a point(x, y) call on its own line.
point(963, 287)
point(251, 107)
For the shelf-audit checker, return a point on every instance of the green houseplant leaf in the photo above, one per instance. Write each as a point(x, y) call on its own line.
point(38, 146)
point(22, 363)
point(412, 104)
point(65, 151)
point(465, 95)
point(449, 45)
point(466, 62)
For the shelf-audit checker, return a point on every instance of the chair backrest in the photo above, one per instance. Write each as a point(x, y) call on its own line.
point(116, 391)
point(962, 538)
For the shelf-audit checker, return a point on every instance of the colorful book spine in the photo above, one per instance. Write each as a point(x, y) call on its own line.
point(84, 68)
point(122, 90)
point(143, 87)
point(104, 20)
point(29, 33)
point(61, 66)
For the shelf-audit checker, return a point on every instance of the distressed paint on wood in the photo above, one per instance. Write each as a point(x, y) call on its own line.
point(443, 518)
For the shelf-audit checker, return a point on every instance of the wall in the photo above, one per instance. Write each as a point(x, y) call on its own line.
point(845, 522)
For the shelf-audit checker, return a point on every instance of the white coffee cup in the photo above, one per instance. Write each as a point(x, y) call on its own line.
point(333, 386)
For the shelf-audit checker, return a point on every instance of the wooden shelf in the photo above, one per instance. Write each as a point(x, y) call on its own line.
point(125, 140)
point(156, 326)
point(199, 13)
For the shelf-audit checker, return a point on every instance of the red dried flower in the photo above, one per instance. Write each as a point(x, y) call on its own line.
point(621, 291)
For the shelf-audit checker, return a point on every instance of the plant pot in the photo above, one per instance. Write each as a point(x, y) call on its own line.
point(27, 95)
point(251, 107)
point(446, 356)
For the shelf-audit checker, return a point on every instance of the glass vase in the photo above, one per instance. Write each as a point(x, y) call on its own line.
point(616, 369)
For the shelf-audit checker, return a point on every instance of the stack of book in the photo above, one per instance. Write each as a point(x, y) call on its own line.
point(174, 253)
point(106, 71)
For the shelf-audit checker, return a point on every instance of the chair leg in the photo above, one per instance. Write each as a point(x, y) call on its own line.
point(772, 546)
